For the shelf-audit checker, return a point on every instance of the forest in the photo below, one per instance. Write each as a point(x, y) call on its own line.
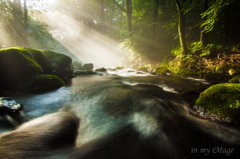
point(149, 31)
point(114, 79)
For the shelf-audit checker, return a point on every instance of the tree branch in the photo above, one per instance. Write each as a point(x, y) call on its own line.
point(119, 6)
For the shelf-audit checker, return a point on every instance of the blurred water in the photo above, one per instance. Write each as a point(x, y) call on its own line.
point(130, 115)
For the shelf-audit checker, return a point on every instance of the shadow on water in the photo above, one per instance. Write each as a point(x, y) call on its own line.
point(121, 117)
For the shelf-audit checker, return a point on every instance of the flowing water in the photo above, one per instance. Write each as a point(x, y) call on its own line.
point(121, 115)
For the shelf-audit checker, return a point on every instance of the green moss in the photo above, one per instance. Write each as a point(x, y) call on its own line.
point(160, 70)
point(58, 64)
point(46, 83)
point(17, 64)
point(217, 76)
point(222, 99)
point(40, 59)
point(222, 69)
point(235, 79)
point(143, 68)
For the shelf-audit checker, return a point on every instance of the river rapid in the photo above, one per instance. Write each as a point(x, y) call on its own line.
point(119, 115)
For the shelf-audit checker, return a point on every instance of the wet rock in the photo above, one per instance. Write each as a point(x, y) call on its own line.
point(102, 69)
point(88, 66)
point(119, 67)
point(139, 72)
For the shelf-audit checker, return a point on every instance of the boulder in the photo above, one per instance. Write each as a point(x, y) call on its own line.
point(40, 59)
point(143, 68)
point(84, 72)
point(222, 99)
point(45, 82)
point(235, 79)
point(119, 67)
point(16, 66)
point(88, 66)
point(102, 69)
point(58, 64)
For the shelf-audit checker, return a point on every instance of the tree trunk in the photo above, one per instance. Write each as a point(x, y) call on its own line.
point(155, 15)
point(102, 17)
point(182, 26)
point(111, 20)
point(129, 15)
point(120, 28)
point(204, 36)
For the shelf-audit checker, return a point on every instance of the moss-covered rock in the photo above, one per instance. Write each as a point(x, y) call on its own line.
point(222, 99)
point(233, 72)
point(235, 79)
point(161, 70)
point(45, 82)
point(17, 65)
point(88, 66)
point(84, 72)
point(143, 68)
point(40, 59)
point(119, 67)
point(222, 69)
point(58, 64)
point(217, 76)
point(102, 69)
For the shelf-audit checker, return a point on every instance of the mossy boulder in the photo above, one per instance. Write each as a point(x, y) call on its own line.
point(84, 72)
point(119, 67)
point(161, 70)
point(17, 65)
point(222, 99)
point(222, 69)
point(235, 79)
point(233, 72)
point(102, 69)
point(77, 65)
point(40, 59)
point(88, 66)
point(217, 76)
point(45, 82)
point(143, 68)
point(58, 64)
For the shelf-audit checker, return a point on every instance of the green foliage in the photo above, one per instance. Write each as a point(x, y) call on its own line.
point(222, 99)
point(161, 70)
point(45, 82)
point(222, 68)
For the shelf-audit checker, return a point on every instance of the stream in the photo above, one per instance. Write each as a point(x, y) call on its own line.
point(122, 115)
